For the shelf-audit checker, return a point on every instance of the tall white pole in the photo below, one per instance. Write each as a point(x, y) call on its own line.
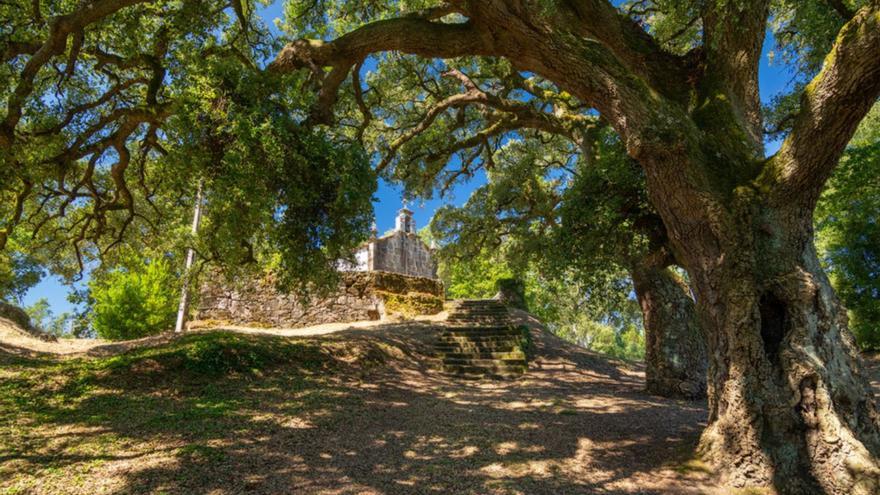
point(190, 258)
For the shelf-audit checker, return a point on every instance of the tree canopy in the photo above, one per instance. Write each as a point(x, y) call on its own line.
point(114, 110)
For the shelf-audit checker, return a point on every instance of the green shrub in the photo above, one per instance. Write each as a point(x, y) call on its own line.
point(626, 344)
point(130, 304)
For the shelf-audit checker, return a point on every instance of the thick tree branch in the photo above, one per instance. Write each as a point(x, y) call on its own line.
point(16, 48)
point(508, 115)
point(832, 106)
point(733, 37)
point(631, 44)
point(61, 28)
point(414, 35)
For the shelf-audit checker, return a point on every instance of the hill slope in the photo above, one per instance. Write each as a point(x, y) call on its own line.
point(355, 411)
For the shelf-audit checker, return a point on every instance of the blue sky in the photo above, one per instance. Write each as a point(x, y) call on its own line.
point(774, 78)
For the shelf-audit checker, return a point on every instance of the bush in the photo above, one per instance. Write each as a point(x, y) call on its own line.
point(130, 304)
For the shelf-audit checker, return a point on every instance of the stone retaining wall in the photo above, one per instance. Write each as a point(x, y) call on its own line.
point(360, 296)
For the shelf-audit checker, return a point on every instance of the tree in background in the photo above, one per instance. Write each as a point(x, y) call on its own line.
point(44, 319)
point(585, 221)
point(19, 271)
point(148, 97)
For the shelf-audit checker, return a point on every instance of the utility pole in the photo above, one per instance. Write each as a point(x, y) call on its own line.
point(190, 258)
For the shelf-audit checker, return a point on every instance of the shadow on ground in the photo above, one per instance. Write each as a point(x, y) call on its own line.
point(374, 420)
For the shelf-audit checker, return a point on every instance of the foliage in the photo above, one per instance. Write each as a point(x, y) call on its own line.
point(411, 303)
point(474, 277)
point(803, 32)
point(848, 231)
point(526, 342)
point(628, 344)
point(39, 312)
point(151, 100)
point(604, 319)
point(19, 271)
point(135, 302)
point(294, 197)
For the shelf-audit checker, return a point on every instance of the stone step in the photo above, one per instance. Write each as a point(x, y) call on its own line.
point(511, 370)
point(478, 339)
point(474, 310)
point(479, 313)
point(511, 355)
point(481, 316)
point(499, 311)
point(480, 330)
point(501, 320)
point(476, 301)
point(461, 309)
point(482, 347)
point(503, 363)
point(478, 305)
point(478, 323)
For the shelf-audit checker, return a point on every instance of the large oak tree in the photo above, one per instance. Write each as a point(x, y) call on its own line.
point(788, 400)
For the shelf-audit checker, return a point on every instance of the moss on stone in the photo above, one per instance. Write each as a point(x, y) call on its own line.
point(412, 303)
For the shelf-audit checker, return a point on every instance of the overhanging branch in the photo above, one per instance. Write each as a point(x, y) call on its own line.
point(413, 35)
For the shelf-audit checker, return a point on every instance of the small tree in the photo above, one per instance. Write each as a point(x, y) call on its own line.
point(134, 303)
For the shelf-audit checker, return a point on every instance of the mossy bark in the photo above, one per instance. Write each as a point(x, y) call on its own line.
point(789, 404)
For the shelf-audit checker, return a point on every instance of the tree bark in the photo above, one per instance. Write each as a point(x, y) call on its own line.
point(675, 349)
point(789, 405)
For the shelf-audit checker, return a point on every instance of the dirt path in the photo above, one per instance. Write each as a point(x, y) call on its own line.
point(576, 424)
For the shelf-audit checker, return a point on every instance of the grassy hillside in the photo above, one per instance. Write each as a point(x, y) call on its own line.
point(60, 420)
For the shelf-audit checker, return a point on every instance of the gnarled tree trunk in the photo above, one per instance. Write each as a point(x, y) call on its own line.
point(675, 349)
point(789, 404)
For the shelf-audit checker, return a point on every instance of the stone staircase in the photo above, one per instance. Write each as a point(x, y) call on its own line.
point(480, 341)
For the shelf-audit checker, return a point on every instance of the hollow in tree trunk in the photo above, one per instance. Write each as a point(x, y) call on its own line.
point(789, 405)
